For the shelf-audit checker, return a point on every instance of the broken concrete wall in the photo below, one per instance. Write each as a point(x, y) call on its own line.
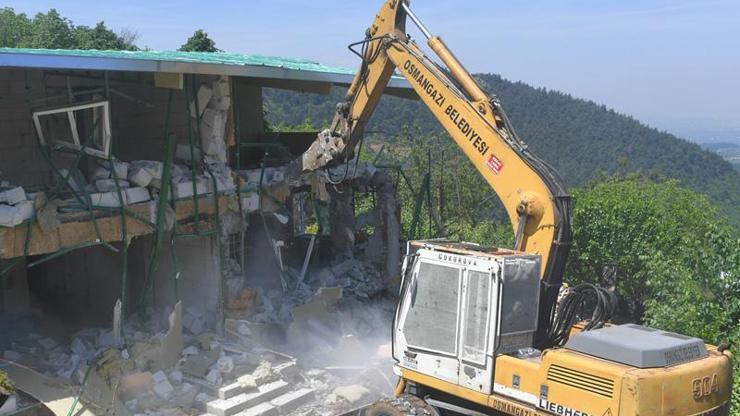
point(137, 123)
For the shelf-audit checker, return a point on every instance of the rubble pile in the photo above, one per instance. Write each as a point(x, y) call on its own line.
point(187, 369)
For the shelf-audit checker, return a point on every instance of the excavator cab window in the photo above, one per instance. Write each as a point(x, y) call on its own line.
point(431, 322)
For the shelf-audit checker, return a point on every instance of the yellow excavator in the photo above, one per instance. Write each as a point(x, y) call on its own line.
point(479, 331)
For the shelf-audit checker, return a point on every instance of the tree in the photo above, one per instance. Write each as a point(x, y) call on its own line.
point(199, 42)
point(52, 31)
point(101, 38)
point(14, 28)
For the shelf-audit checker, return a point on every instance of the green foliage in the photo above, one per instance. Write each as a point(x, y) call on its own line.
point(199, 42)
point(100, 38)
point(6, 386)
point(679, 263)
point(52, 31)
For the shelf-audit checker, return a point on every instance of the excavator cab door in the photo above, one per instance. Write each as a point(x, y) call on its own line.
point(478, 327)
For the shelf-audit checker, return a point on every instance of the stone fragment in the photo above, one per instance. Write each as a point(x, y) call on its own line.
point(140, 177)
point(264, 373)
point(351, 394)
point(197, 365)
point(214, 376)
point(221, 88)
point(291, 401)
point(109, 185)
point(162, 386)
point(135, 385)
point(204, 96)
point(225, 365)
point(184, 396)
point(121, 169)
point(13, 196)
point(137, 195)
point(236, 404)
point(172, 344)
point(185, 189)
point(262, 409)
point(100, 173)
point(8, 215)
point(107, 199)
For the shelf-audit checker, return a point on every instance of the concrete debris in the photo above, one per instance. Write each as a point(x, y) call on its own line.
point(225, 365)
point(13, 196)
point(107, 199)
point(162, 386)
point(352, 394)
point(172, 342)
point(11, 216)
point(109, 185)
point(117, 328)
point(194, 321)
point(135, 385)
point(137, 195)
point(198, 365)
point(140, 177)
point(204, 96)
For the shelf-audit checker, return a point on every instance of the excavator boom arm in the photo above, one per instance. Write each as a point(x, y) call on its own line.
point(534, 198)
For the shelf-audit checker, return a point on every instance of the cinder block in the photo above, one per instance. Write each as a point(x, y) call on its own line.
point(140, 177)
point(289, 402)
point(204, 96)
point(262, 409)
point(236, 404)
point(13, 196)
point(109, 185)
point(8, 216)
point(25, 211)
point(235, 389)
point(137, 195)
point(107, 199)
point(185, 189)
point(121, 169)
point(100, 173)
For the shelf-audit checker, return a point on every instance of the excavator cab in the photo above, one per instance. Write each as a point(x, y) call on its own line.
point(460, 305)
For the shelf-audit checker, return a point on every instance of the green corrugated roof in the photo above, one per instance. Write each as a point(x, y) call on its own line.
point(218, 58)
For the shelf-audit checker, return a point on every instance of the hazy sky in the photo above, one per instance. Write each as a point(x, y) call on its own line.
point(673, 64)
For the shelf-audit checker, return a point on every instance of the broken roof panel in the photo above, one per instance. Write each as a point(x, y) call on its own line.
point(212, 63)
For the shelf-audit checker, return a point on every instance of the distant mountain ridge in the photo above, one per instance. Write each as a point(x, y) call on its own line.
point(580, 138)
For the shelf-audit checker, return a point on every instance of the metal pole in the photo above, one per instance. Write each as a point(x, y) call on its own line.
point(416, 20)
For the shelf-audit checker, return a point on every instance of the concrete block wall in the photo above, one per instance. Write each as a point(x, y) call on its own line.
point(86, 283)
point(138, 126)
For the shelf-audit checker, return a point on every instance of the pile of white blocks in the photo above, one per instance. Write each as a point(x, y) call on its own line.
point(214, 102)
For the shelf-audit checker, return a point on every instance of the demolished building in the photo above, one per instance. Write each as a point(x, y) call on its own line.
point(154, 258)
